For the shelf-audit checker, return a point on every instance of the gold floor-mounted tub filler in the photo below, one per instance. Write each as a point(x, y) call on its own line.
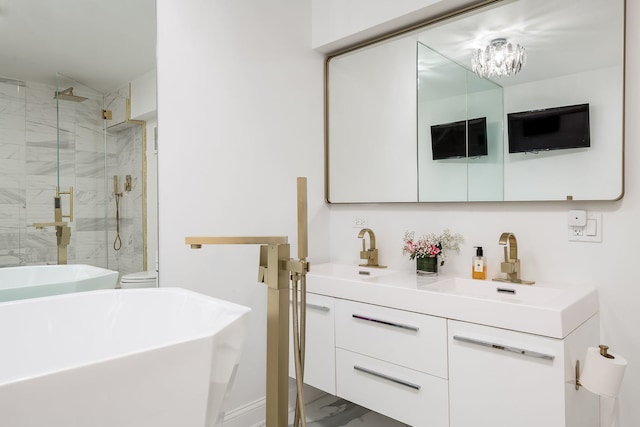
point(282, 275)
point(63, 232)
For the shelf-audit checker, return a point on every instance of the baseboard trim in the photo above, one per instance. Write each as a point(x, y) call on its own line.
point(251, 414)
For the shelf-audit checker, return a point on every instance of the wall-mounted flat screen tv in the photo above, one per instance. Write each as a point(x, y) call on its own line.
point(549, 129)
point(477, 131)
point(449, 140)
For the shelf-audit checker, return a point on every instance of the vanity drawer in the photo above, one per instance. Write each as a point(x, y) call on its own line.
point(409, 396)
point(405, 338)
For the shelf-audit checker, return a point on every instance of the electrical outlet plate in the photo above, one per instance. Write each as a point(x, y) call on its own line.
point(590, 232)
point(359, 222)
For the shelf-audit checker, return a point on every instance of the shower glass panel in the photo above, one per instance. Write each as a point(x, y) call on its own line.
point(13, 101)
point(80, 171)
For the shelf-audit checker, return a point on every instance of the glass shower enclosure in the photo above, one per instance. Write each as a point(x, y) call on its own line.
point(55, 140)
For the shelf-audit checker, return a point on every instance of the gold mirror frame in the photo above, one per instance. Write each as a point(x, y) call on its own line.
point(424, 25)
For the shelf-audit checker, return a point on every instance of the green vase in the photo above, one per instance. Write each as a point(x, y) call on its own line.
point(427, 266)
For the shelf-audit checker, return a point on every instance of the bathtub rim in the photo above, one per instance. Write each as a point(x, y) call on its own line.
point(95, 273)
point(240, 312)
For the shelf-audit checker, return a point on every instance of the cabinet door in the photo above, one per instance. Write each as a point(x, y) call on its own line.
point(320, 360)
point(504, 378)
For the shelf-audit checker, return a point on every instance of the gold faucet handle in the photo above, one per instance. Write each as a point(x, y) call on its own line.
point(372, 259)
point(508, 267)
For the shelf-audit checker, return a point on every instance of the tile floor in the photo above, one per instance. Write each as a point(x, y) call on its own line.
point(331, 411)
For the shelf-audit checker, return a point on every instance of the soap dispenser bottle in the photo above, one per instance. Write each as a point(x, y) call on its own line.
point(479, 267)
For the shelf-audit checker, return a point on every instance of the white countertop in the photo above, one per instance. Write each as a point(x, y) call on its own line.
point(542, 309)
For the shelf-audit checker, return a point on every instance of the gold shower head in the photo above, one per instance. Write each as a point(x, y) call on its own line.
point(67, 95)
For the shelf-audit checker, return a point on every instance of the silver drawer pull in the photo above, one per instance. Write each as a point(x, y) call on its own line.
point(318, 307)
point(387, 377)
point(386, 322)
point(315, 307)
point(522, 351)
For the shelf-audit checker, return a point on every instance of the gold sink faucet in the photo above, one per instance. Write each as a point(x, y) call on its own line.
point(371, 254)
point(511, 263)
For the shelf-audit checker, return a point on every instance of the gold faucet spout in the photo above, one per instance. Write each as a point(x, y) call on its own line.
point(197, 242)
point(372, 238)
point(510, 251)
point(511, 263)
point(49, 224)
point(371, 254)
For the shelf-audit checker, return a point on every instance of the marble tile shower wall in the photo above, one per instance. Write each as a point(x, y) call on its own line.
point(125, 158)
point(12, 165)
point(28, 160)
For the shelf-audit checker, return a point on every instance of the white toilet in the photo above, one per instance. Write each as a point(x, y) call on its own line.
point(143, 279)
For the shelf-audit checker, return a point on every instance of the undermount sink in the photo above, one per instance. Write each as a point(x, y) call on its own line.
point(506, 292)
point(543, 309)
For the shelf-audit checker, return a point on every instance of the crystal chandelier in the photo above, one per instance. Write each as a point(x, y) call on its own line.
point(498, 59)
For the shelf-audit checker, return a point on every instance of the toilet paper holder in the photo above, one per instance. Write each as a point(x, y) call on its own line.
point(603, 352)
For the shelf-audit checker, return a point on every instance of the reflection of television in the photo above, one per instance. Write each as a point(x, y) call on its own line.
point(477, 137)
point(549, 129)
point(449, 140)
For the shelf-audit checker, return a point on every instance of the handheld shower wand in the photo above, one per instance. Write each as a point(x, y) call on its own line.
point(300, 314)
point(117, 243)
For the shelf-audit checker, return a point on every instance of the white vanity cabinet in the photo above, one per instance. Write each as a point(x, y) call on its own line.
point(320, 365)
point(501, 377)
point(393, 362)
point(451, 352)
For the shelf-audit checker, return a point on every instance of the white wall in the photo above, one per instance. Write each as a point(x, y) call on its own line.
point(340, 23)
point(240, 109)
point(240, 117)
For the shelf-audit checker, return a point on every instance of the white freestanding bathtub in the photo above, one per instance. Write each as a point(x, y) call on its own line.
point(156, 357)
point(44, 280)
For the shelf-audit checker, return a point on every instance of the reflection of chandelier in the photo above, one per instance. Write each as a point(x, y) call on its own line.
point(498, 59)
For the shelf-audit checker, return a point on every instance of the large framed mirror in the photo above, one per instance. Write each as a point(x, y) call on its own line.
point(394, 106)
